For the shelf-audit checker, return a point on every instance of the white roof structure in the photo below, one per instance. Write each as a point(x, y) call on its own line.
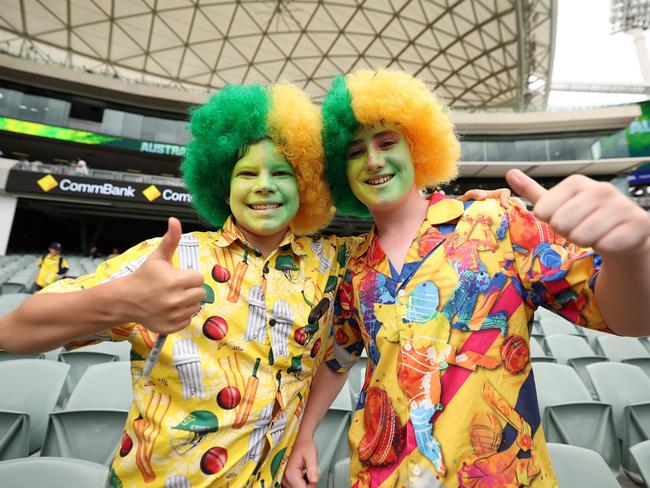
point(477, 54)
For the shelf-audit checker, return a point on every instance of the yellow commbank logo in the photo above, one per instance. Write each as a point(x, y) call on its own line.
point(47, 183)
point(151, 193)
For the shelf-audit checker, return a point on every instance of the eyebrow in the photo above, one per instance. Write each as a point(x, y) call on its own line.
point(384, 133)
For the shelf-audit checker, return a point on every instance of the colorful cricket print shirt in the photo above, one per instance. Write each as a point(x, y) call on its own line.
point(449, 397)
point(222, 405)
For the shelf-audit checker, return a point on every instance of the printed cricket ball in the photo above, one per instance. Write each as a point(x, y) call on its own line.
point(214, 460)
point(341, 337)
point(220, 274)
point(315, 349)
point(300, 336)
point(215, 328)
point(229, 397)
point(514, 353)
point(127, 444)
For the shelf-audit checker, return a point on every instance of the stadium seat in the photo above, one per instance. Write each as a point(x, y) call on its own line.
point(52, 473)
point(579, 467)
point(592, 337)
point(10, 301)
point(641, 455)
point(619, 349)
point(625, 350)
point(627, 388)
point(79, 361)
point(574, 351)
point(559, 326)
point(91, 425)
point(340, 475)
point(30, 387)
point(331, 435)
point(570, 416)
point(356, 378)
point(121, 349)
point(537, 354)
point(11, 356)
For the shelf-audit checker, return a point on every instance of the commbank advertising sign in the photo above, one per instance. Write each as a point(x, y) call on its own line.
point(94, 188)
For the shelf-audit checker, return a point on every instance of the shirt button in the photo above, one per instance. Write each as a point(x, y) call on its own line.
point(416, 470)
point(407, 346)
point(401, 293)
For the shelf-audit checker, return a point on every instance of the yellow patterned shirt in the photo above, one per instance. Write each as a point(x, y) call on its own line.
point(223, 403)
point(449, 396)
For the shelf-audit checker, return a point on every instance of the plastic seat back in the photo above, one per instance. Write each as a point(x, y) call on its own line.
point(576, 352)
point(79, 362)
point(627, 388)
point(340, 475)
point(641, 455)
point(9, 301)
point(332, 433)
point(121, 349)
point(92, 423)
point(356, 378)
point(576, 466)
point(53, 473)
point(32, 386)
point(621, 348)
point(105, 385)
point(570, 416)
point(537, 354)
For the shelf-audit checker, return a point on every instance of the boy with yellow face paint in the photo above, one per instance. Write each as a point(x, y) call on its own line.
point(440, 295)
point(246, 307)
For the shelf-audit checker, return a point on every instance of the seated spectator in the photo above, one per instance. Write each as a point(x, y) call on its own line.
point(81, 167)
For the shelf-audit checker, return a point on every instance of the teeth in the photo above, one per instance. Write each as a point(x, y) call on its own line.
point(380, 180)
point(264, 206)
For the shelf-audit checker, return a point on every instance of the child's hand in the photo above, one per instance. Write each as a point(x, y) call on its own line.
point(302, 466)
point(502, 194)
point(587, 212)
point(159, 296)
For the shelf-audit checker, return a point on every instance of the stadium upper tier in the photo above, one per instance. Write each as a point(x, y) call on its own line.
point(476, 53)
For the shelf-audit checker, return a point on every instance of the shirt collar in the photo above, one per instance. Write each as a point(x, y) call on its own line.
point(442, 210)
point(230, 233)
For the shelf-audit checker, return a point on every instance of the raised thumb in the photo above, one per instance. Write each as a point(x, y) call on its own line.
point(525, 186)
point(169, 241)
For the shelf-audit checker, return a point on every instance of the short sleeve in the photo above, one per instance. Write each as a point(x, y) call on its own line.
point(346, 341)
point(555, 273)
point(109, 270)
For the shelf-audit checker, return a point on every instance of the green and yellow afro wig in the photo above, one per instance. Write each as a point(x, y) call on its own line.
point(372, 97)
point(238, 116)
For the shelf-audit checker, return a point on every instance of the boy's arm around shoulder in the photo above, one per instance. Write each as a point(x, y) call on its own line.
point(157, 295)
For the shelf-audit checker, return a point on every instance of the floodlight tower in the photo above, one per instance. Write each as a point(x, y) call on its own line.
point(633, 18)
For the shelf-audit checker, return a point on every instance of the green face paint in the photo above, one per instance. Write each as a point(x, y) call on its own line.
point(263, 190)
point(380, 168)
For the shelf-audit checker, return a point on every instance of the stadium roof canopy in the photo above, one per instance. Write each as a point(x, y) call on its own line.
point(476, 53)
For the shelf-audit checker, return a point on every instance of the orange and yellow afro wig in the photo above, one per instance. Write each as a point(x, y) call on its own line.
point(240, 115)
point(372, 97)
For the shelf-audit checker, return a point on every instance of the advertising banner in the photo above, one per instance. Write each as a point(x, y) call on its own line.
point(95, 188)
point(86, 137)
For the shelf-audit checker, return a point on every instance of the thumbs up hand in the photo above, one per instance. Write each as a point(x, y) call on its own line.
point(161, 297)
point(587, 212)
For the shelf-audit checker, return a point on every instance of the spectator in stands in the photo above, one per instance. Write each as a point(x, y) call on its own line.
point(94, 252)
point(81, 168)
point(440, 296)
point(51, 267)
point(114, 252)
point(247, 312)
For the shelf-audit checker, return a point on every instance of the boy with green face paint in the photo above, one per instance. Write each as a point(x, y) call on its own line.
point(440, 295)
point(246, 307)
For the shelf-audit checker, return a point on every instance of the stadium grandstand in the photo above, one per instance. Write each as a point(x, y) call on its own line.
point(111, 83)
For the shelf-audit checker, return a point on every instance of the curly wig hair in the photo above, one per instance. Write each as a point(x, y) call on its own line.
point(238, 116)
point(373, 97)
